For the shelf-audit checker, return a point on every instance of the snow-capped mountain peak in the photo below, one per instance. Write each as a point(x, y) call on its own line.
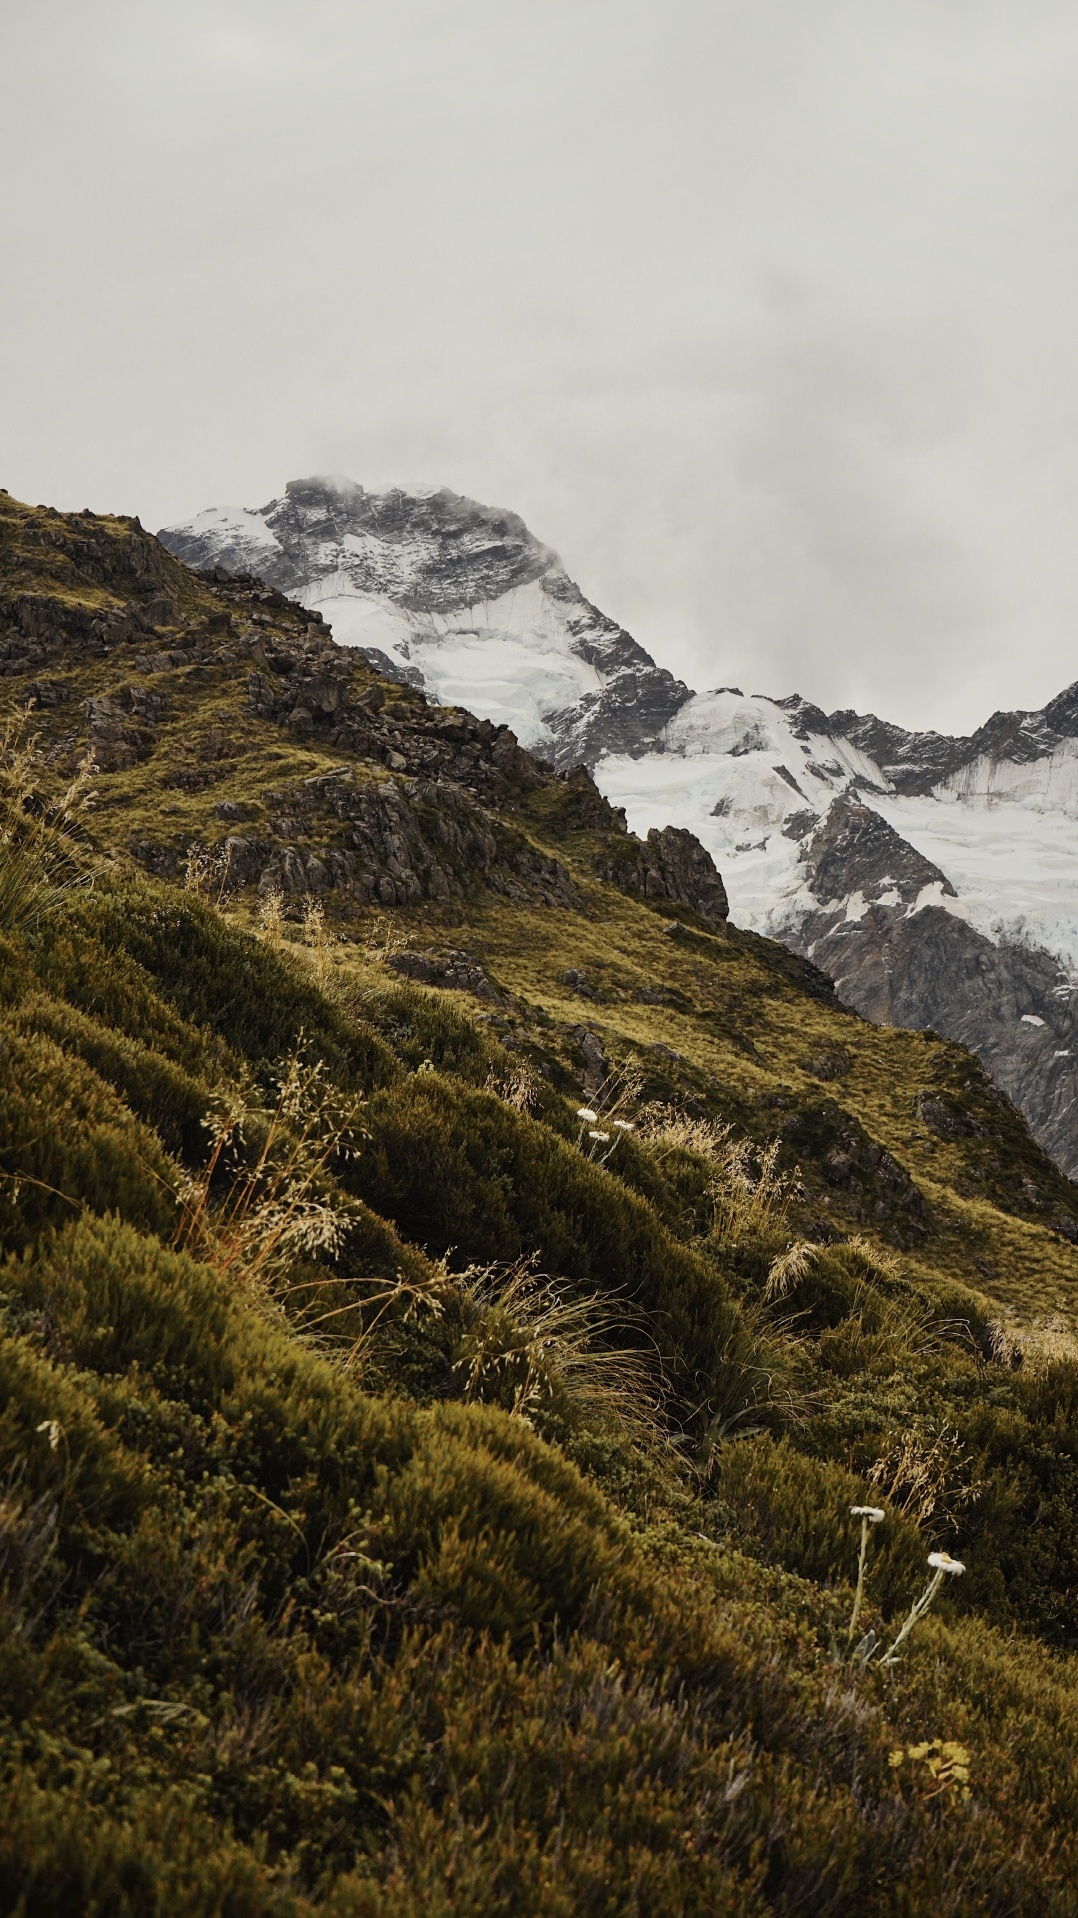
point(934, 877)
point(455, 597)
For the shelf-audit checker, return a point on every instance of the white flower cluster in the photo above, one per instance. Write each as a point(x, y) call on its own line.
point(589, 1121)
point(941, 1565)
point(943, 1562)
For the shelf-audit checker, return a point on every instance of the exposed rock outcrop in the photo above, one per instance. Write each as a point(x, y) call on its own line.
point(900, 957)
point(382, 841)
point(454, 971)
point(670, 866)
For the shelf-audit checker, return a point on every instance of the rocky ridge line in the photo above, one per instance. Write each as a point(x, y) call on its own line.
point(883, 918)
point(425, 827)
point(430, 557)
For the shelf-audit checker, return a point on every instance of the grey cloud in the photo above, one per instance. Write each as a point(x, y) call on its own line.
point(762, 313)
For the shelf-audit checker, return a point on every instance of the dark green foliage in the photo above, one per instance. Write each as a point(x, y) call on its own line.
point(64, 1849)
point(222, 981)
point(678, 1188)
point(15, 973)
point(424, 1027)
point(283, 1635)
point(115, 1302)
point(462, 1173)
point(79, 970)
point(794, 1511)
point(67, 1140)
point(1024, 1530)
point(156, 1089)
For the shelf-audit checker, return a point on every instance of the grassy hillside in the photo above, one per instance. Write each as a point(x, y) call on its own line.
point(417, 1497)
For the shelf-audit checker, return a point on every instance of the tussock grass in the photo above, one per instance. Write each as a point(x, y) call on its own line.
point(512, 1337)
point(459, 1518)
point(261, 1201)
point(43, 852)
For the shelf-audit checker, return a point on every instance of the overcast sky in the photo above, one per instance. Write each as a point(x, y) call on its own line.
point(764, 313)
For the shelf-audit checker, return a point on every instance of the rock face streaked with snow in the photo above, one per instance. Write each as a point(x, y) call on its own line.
point(937, 884)
point(457, 598)
point(934, 878)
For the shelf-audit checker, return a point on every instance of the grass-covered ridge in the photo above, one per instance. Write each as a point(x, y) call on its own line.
point(411, 1502)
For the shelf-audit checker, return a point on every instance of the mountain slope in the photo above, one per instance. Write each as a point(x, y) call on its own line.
point(442, 593)
point(241, 749)
point(419, 1496)
point(465, 602)
point(937, 888)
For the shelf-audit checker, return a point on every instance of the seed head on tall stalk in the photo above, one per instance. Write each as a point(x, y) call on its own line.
point(314, 931)
point(869, 1515)
point(208, 872)
point(942, 1566)
point(275, 1205)
point(271, 916)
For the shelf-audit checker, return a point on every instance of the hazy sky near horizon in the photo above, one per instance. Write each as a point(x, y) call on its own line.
point(763, 313)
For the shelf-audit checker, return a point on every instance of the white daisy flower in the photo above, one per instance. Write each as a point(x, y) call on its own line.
point(603, 1137)
point(873, 1513)
point(586, 1113)
point(624, 1125)
point(943, 1562)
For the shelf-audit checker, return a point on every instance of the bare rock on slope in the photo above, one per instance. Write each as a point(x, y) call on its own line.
point(670, 866)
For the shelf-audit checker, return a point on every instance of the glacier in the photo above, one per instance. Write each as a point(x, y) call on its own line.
point(933, 877)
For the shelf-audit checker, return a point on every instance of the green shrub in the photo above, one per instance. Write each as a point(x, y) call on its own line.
point(426, 1026)
point(67, 1140)
point(115, 1299)
point(63, 1850)
point(227, 982)
point(460, 1172)
point(794, 1511)
point(156, 1089)
point(77, 969)
point(1023, 1530)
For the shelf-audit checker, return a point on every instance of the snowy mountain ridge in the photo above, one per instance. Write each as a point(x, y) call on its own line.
point(755, 776)
point(455, 597)
point(933, 877)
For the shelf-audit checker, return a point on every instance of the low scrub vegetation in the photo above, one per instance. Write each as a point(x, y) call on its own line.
point(530, 1448)
point(402, 1510)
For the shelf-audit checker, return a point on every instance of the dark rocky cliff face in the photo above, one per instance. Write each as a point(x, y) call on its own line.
point(854, 850)
point(670, 864)
point(917, 762)
point(636, 699)
point(902, 963)
point(430, 553)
